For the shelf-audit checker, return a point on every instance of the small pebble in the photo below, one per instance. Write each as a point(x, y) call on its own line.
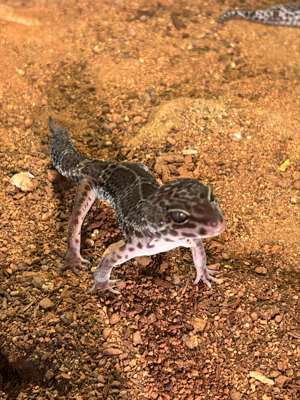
point(137, 119)
point(297, 185)
point(198, 324)
point(114, 319)
point(131, 32)
point(89, 242)
point(261, 270)
point(53, 175)
point(137, 338)
point(112, 352)
point(46, 304)
point(28, 123)
point(67, 318)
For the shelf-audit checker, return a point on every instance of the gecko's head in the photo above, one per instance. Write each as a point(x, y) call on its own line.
point(185, 208)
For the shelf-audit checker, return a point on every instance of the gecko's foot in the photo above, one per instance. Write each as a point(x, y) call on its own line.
point(74, 262)
point(107, 285)
point(205, 276)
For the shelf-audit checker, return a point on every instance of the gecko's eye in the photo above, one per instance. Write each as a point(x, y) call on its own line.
point(179, 217)
point(214, 199)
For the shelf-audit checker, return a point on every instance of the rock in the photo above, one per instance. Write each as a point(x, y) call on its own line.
point(112, 352)
point(152, 318)
point(137, 338)
point(176, 279)
point(114, 318)
point(144, 98)
point(281, 380)
point(91, 88)
point(171, 141)
point(11, 189)
point(105, 110)
point(260, 377)
point(49, 375)
point(36, 261)
point(117, 118)
point(28, 276)
point(106, 332)
point(48, 287)
point(24, 181)
point(235, 394)
point(198, 324)
point(254, 316)
point(177, 22)
point(188, 152)
point(268, 312)
point(282, 365)
point(38, 282)
point(46, 304)
point(3, 317)
point(53, 175)
point(46, 216)
point(274, 374)
point(137, 119)
point(143, 260)
point(261, 270)
point(89, 242)
point(297, 185)
point(11, 121)
point(101, 379)
point(131, 32)
point(190, 340)
point(28, 123)
point(67, 318)
point(225, 256)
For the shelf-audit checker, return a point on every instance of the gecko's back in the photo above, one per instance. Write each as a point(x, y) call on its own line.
point(124, 185)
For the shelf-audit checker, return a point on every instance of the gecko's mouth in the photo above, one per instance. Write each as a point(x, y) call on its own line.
point(212, 228)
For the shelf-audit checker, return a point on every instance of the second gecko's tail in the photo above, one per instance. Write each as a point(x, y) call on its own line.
point(63, 154)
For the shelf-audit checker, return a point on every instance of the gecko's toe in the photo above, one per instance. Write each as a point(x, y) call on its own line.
point(206, 277)
point(107, 285)
point(74, 262)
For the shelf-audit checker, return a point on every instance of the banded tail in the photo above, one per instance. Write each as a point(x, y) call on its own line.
point(63, 154)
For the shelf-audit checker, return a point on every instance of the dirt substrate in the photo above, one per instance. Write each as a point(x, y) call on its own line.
point(160, 83)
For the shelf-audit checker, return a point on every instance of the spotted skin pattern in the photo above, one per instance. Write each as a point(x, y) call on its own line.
point(153, 218)
point(283, 14)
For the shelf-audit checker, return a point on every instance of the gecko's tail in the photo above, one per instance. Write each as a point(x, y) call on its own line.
point(52, 125)
point(63, 154)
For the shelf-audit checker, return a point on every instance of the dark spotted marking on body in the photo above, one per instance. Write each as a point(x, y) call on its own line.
point(202, 231)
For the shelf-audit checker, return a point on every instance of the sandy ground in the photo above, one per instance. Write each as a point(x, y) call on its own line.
point(160, 83)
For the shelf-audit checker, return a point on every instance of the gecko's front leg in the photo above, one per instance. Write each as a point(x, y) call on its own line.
point(84, 198)
point(116, 257)
point(199, 256)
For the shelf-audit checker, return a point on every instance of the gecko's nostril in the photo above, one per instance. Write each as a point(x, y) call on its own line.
point(212, 224)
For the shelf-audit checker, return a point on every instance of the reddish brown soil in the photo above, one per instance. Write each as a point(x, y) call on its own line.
point(159, 83)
